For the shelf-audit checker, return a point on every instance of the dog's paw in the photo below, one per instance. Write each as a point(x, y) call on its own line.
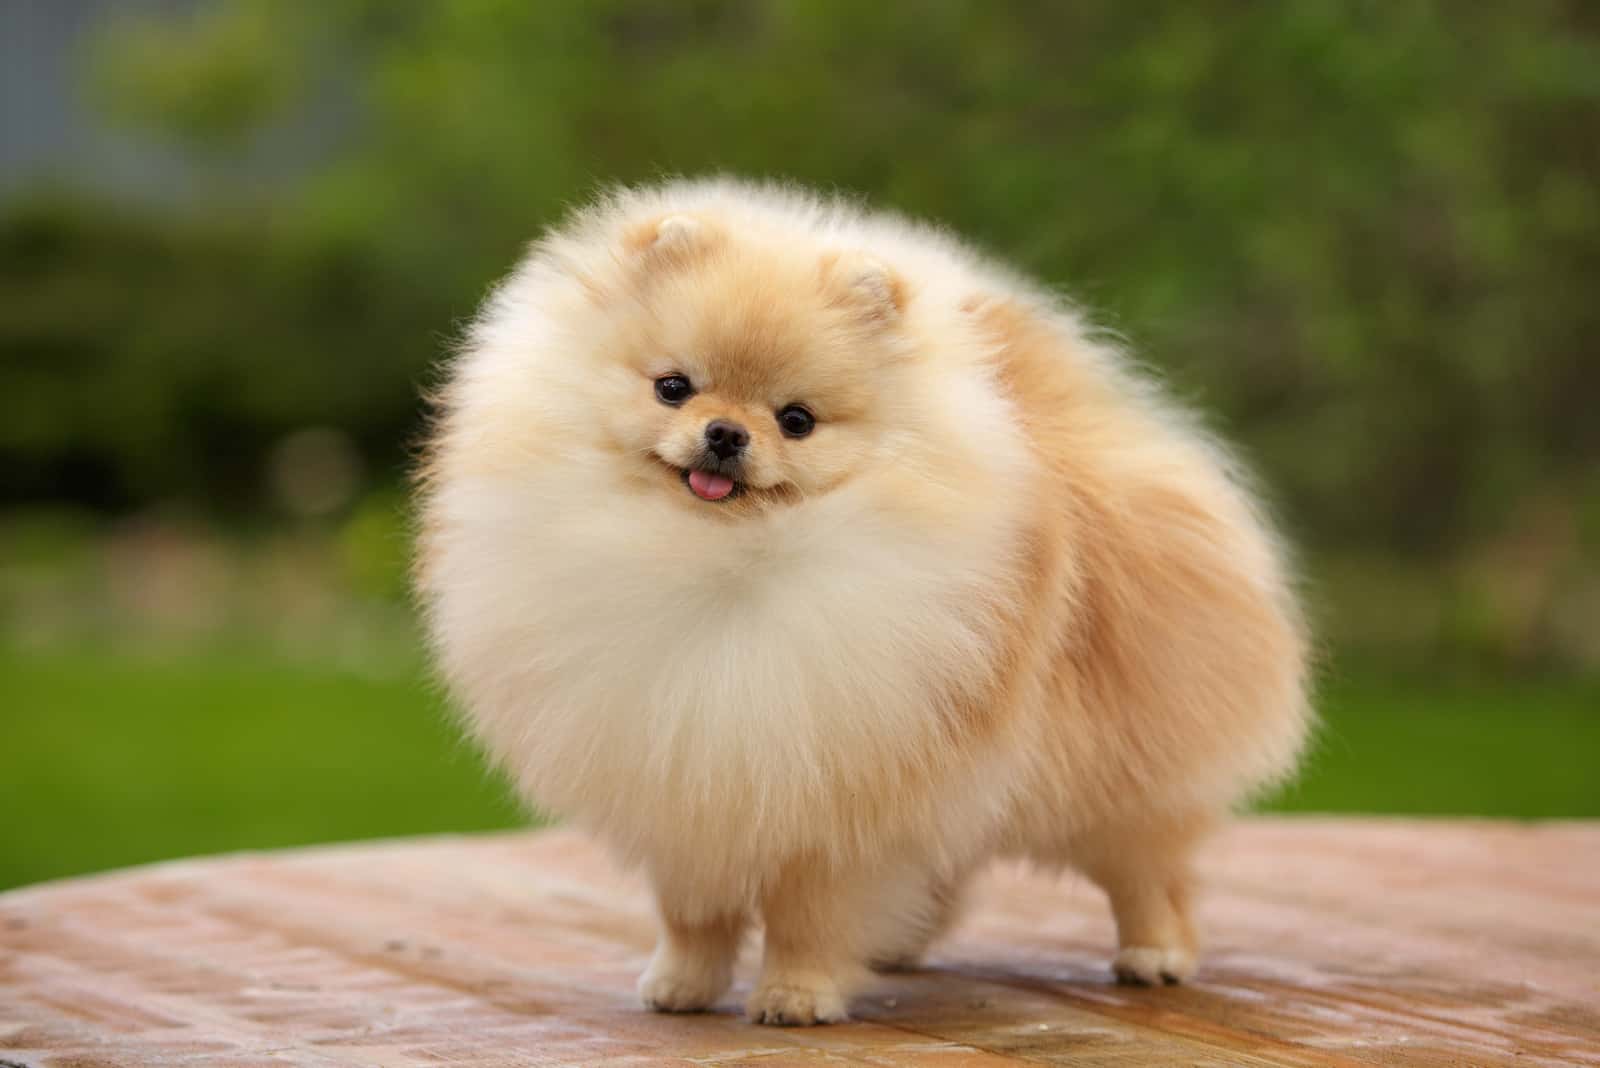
point(673, 985)
point(1153, 965)
point(796, 1003)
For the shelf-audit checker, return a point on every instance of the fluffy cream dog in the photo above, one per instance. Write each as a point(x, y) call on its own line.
point(811, 560)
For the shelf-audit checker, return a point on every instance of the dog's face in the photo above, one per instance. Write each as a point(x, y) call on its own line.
point(719, 504)
point(738, 382)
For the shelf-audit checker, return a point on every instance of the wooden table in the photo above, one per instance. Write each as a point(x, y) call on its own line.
point(1332, 943)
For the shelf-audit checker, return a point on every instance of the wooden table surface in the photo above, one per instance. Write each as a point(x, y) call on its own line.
point(1331, 943)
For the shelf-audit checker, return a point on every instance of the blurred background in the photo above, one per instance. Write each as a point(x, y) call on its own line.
point(234, 237)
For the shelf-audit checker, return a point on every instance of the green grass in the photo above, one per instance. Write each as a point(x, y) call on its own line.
point(108, 760)
point(1524, 749)
point(114, 760)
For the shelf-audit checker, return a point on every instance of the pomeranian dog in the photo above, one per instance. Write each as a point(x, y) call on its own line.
point(811, 560)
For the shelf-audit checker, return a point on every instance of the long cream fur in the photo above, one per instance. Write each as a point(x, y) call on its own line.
point(1005, 599)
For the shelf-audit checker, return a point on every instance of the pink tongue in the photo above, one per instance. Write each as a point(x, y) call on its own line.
point(710, 487)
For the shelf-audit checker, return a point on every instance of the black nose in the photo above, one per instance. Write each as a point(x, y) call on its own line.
point(726, 439)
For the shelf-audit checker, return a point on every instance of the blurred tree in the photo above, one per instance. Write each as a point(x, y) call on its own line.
point(162, 358)
point(210, 81)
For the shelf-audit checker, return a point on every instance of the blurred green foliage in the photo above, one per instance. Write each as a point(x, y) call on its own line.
point(208, 81)
point(1364, 235)
point(162, 357)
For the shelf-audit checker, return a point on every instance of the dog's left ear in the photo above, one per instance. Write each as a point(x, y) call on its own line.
point(866, 283)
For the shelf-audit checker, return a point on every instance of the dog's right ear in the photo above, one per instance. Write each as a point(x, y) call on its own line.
point(675, 238)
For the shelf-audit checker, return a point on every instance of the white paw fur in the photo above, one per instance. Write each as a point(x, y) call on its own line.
point(673, 983)
point(1153, 965)
point(797, 1002)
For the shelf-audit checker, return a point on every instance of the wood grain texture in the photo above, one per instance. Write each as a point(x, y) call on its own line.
point(1332, 943)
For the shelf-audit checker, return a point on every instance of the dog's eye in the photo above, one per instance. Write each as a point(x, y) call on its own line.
point(795, 421)
point(673, 389)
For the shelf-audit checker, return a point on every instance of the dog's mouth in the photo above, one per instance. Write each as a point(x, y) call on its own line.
point(711, 485)
point(721, 483)
point(708, 478)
